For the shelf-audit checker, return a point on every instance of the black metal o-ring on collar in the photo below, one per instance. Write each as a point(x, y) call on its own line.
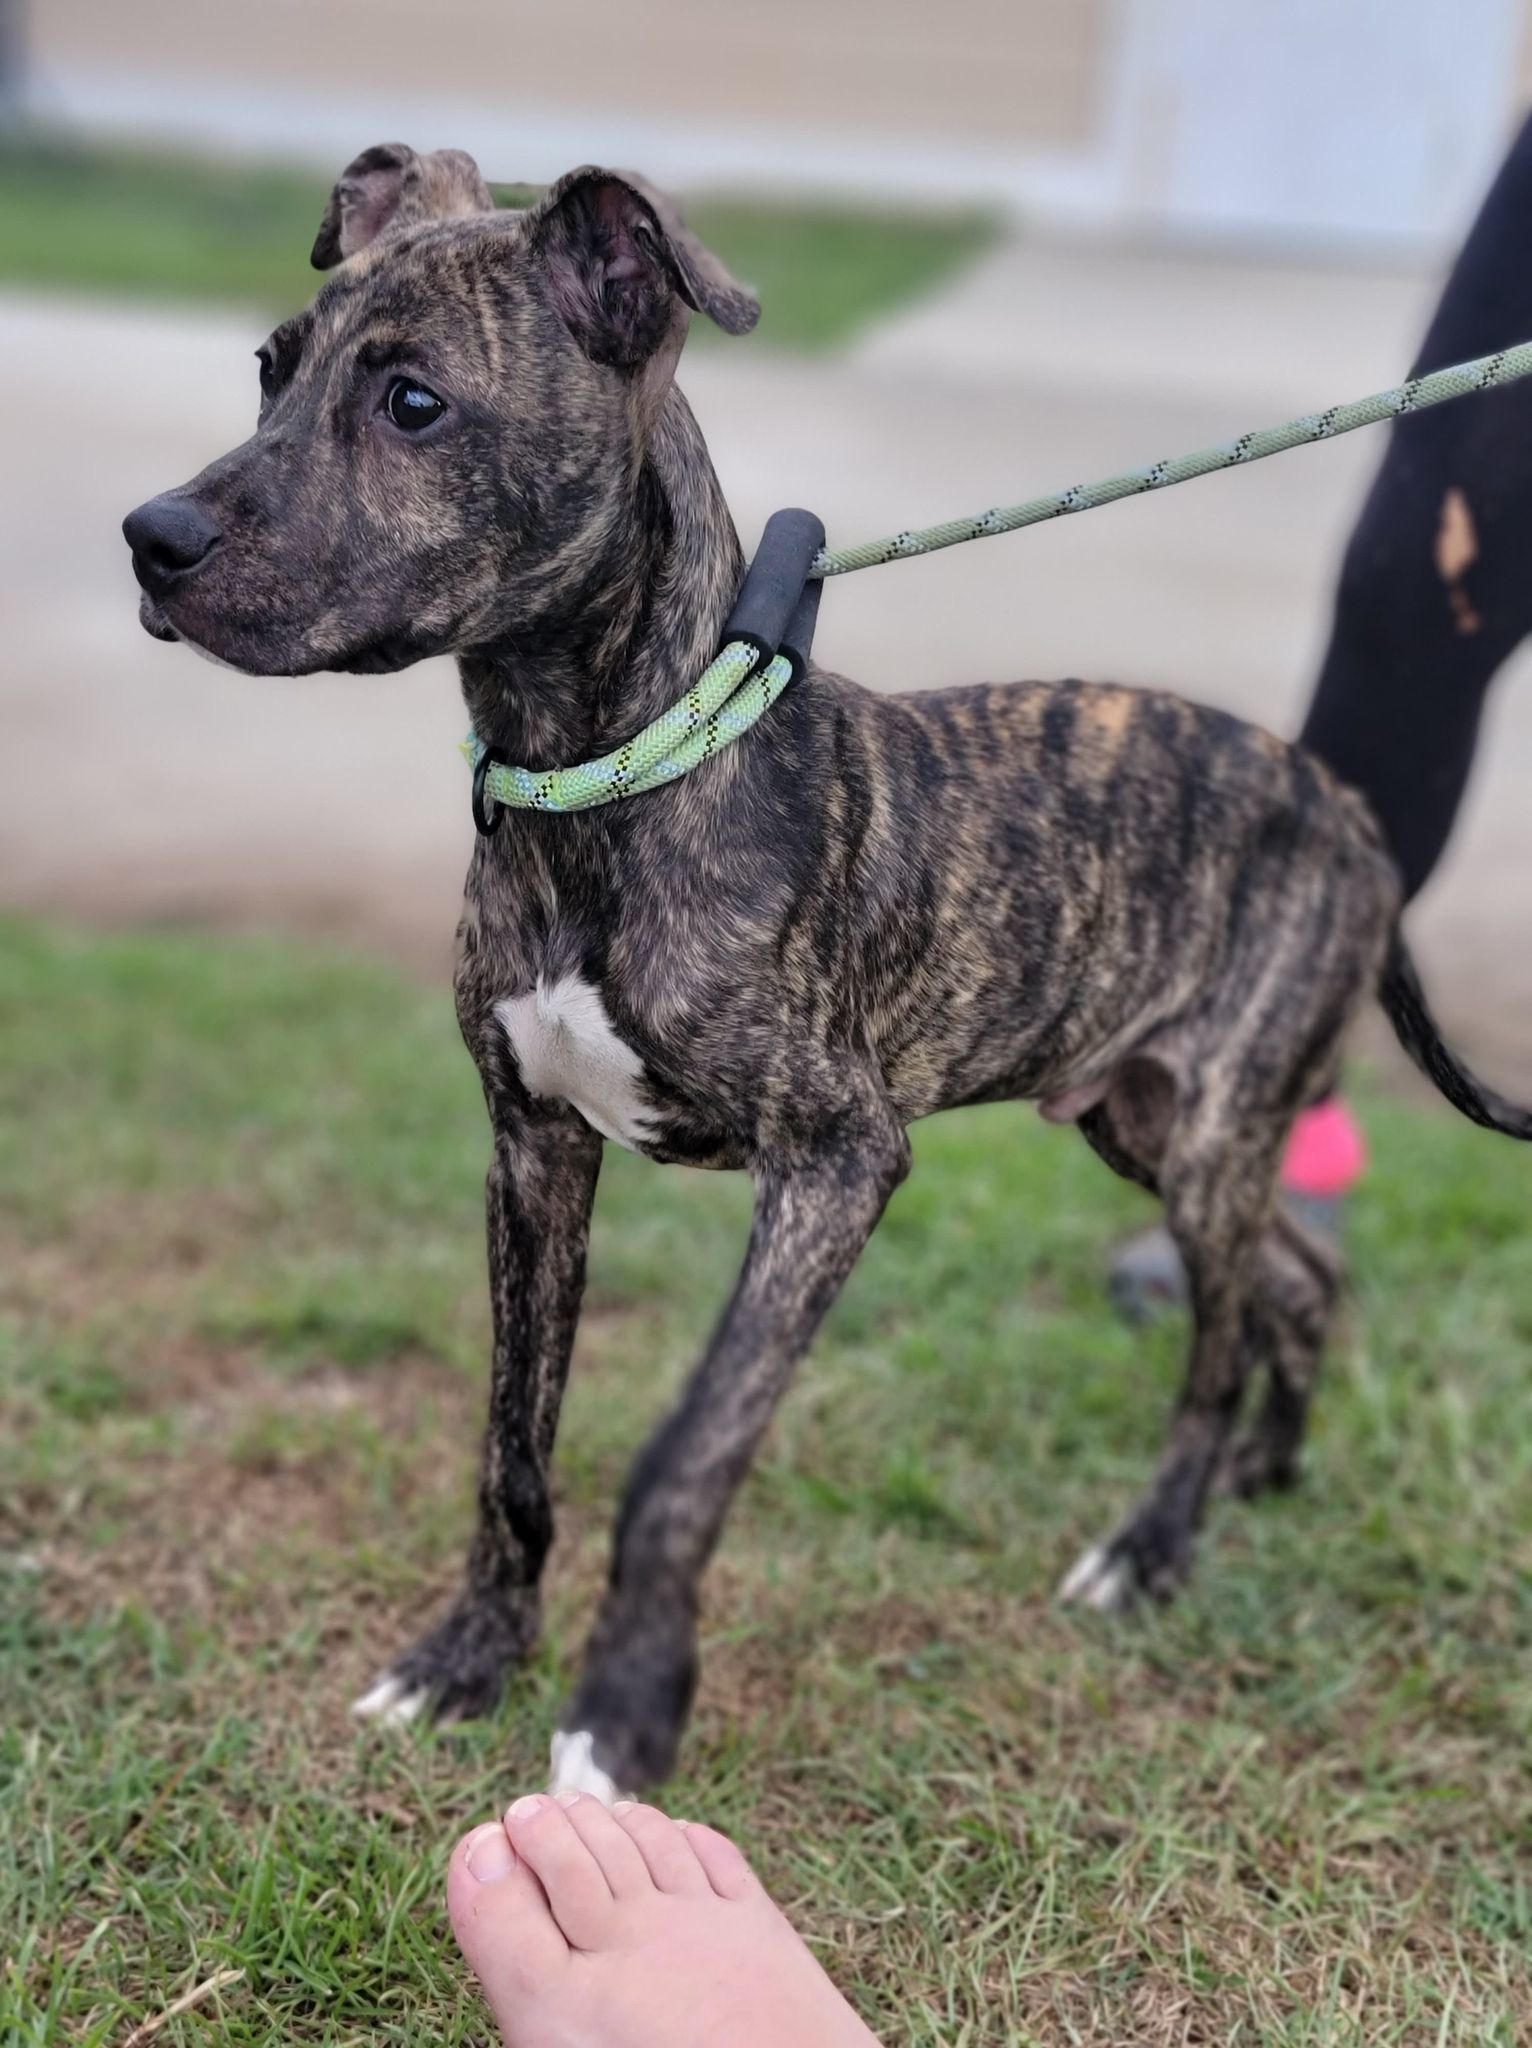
point(487, 814)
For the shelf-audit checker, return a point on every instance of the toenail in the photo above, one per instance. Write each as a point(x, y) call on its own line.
point(525, 1808)
point(490, 1855)
point(568, 1798)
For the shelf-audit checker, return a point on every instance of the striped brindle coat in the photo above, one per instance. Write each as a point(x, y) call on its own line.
point(1150, 919)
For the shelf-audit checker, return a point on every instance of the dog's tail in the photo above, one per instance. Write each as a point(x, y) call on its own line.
point(1405, 1001)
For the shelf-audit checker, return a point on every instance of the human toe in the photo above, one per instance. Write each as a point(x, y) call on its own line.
point(666, 1851)
point(723, 1864)
point(502, 1921)
point(545, 1838)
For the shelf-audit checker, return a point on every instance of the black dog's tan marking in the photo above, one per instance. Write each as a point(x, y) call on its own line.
point(1149, 918)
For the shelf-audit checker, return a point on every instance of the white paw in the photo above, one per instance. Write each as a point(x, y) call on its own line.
point(391, 1704)
point(575, 1768)
point(1099, 1580)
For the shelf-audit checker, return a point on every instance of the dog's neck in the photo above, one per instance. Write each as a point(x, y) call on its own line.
point(647, 622)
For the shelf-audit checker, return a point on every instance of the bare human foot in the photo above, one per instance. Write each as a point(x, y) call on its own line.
point(626, 1929)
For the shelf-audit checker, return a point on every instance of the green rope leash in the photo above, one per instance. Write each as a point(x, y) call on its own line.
point(1484, 373)
point(727, 699)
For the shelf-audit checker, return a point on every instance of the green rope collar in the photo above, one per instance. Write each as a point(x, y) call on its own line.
point(730, 695)
point(724, 702)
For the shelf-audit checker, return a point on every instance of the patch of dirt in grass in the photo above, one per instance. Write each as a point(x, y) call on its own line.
point(291, 1530)
point(245, 1510)
point(1397, 1973)
point(119, 1256)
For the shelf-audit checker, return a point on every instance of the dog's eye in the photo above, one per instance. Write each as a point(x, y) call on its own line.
point(268, 371)
point(411, 406)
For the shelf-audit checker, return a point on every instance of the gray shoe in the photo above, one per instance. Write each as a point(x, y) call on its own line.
point(1146, 1277)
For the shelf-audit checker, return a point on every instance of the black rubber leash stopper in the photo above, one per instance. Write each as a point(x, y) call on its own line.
point(798, 640)
point(775, 581)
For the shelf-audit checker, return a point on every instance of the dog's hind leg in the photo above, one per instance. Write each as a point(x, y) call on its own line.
point(1288, 1315)
point(621, 1730)
point(1286, 1322)
point(1217, 1175)
point(538, 1200)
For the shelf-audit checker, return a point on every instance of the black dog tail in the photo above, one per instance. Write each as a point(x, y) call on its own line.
point(1405, 1001)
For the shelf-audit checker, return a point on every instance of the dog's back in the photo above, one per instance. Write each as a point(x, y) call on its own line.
point(1047, 873)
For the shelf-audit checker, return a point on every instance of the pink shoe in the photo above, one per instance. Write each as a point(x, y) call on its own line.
point(1326, 1153)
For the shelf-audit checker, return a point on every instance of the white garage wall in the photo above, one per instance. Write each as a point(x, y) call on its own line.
point(1312, 119)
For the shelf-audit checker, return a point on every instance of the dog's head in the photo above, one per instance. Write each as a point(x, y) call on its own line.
point(449, 436)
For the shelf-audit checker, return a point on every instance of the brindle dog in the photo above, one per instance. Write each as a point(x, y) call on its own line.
point(1151, 919)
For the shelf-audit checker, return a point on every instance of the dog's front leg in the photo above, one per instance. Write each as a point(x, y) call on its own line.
point(622, 1728)
point(541, 1186)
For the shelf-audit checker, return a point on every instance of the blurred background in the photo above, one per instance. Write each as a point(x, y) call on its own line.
point(1003, 245)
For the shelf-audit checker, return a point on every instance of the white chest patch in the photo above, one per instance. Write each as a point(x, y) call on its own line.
point(565, 1046)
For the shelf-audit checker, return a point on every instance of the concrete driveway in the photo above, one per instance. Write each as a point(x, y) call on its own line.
point(136, 782)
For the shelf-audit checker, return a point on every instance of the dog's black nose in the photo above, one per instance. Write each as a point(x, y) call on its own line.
point(168, 536)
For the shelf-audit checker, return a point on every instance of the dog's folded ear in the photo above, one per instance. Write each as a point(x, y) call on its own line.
point(390, 185)
point(619, 257)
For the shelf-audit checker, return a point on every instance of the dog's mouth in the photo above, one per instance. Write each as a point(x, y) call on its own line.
point(385, 654)
point(155, 620)
point(151, 617)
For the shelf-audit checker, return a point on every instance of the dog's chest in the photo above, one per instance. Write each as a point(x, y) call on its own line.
point(566, 1046)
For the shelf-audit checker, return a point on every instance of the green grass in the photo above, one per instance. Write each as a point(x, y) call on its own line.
point(128, 221)
point(241, 1369)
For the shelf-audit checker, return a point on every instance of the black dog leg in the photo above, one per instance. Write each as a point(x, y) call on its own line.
point(1286, 1323)
point(541, 1186)
point(623, 1725)
point(1218, 1198)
